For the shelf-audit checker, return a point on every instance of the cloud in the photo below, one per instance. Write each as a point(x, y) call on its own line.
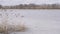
point(14, 2)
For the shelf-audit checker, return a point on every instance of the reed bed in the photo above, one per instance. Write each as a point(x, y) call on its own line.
point(5, 29)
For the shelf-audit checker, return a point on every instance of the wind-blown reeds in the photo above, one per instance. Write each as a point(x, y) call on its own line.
point(11, 28)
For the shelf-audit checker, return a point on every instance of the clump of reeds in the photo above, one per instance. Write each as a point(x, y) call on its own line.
point(11, 28)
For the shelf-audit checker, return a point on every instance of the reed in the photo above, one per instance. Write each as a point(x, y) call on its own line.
point(11, 28)
point(5, 27)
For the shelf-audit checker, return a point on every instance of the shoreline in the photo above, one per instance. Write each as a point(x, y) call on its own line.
point(31, 9)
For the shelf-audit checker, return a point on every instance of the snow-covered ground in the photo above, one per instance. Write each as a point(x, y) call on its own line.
point(37, 21)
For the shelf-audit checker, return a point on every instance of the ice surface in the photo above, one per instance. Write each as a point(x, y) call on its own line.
point(37, 21)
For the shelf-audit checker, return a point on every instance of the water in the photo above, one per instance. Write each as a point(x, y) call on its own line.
point(37, 21)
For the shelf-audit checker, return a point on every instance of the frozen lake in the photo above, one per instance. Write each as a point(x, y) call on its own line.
point(37, 21)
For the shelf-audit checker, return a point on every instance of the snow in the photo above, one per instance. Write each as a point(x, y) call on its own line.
point(37, 21)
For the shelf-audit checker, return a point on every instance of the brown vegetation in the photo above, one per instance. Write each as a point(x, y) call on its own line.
point(11, 28)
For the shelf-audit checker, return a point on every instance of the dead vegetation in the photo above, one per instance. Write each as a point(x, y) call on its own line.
point(7, 28)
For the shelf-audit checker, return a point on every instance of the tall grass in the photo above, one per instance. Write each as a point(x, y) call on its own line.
point(6, 28)
point(11, 28)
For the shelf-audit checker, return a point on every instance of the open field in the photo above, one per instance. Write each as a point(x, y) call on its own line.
point(37, 21)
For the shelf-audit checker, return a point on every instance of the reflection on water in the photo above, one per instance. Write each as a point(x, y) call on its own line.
point(37, 21)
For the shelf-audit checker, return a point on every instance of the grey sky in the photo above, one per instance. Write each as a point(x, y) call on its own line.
point(14, 2)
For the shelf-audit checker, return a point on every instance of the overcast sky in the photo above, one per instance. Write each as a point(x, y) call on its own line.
point(14, 2)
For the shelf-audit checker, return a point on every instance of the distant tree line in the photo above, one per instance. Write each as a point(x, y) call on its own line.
point(0, 6)
point(32, 6)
